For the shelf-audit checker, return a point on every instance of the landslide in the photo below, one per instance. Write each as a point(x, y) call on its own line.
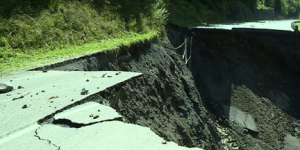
point(255, 73)
point(248, 72)
point(164, 98)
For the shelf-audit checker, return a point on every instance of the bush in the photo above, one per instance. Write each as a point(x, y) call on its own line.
point(9, 8)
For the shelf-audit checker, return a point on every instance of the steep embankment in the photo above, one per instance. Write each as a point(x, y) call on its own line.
point(241, 92)
point(250, 71)
point(164, 98)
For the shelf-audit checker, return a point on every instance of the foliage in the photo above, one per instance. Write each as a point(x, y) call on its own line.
point(289, 8)
point(187, 13)
point(31, 28)
point(76, 23)
point(9, 8)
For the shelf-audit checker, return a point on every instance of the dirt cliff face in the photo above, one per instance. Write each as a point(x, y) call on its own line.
point(254, 73)
point(164, 98)
point(240, 92)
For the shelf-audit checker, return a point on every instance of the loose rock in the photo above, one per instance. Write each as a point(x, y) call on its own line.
point(84, 91)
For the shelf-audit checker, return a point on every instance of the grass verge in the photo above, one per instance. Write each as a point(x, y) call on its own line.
point(23, 62)
point(35, 36)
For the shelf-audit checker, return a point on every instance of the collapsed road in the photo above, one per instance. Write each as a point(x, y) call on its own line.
point(65, 110)
point(239, 92)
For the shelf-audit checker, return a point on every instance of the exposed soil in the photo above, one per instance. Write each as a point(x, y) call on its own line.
point(253, 74)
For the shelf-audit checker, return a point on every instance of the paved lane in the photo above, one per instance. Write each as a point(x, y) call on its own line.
point(275, 25)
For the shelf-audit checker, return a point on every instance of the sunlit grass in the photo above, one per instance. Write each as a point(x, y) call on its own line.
point(74, 29)
point(23, 62)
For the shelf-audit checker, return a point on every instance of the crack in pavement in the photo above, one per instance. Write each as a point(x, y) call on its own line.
point(68, 123)
point(36, 135)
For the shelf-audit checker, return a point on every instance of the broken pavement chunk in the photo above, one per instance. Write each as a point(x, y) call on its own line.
point(242, 118)
point(4, 88)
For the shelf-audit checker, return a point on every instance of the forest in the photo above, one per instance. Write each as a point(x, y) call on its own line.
point(194, 12)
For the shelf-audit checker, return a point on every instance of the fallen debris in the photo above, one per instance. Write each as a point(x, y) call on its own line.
point(103, 76)
point(84, 91)
point(96, 116)
point(21, 96)
point(53, 97)
point(24, 106)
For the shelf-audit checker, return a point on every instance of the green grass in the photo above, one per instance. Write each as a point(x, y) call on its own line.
point(298, 24)
point(23, 62)
point(74, 28)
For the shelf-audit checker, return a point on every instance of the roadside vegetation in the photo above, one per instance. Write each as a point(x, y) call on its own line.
point(186, 13)
point(32, 31)
point(189, 13)
point(283, 8)
point(35, 33)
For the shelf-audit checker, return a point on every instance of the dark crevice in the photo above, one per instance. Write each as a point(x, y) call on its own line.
point(36, 135)
point(99, 97)
point(253, 133)
point(69, 124)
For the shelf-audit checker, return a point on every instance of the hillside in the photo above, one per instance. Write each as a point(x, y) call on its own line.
point(40, 32)
point(58, 30)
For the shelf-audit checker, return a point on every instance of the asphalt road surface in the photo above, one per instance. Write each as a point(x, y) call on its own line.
point(275, 25)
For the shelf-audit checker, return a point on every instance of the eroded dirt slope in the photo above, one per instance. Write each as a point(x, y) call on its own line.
point(190, 107)
point(252, 73)
point(164, 98)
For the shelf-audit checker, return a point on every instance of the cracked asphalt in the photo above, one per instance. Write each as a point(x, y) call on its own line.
point(61, 115)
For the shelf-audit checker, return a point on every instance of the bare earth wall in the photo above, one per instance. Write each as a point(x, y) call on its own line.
point(249, 71)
